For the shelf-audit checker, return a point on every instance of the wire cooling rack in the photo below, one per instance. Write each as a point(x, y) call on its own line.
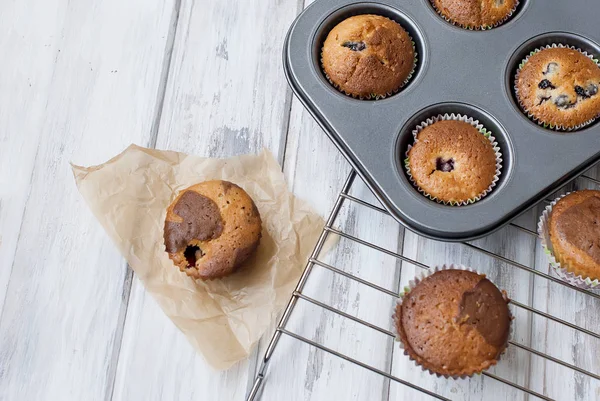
point(300, 294)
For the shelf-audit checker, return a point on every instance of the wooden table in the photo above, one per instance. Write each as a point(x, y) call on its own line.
point(79, 81)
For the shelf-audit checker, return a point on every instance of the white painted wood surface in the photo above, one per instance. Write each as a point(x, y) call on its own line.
point(81, 80)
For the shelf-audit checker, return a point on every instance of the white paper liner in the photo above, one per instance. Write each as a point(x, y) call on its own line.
point(411, 285)
point(530, 115)
point(480, 128)
point(544, 234)
point(374, 96)
point(476, 28)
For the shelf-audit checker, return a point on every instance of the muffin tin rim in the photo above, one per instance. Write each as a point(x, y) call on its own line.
point(344, 125)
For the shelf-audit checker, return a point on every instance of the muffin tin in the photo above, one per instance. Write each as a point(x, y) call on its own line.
point(458, 71)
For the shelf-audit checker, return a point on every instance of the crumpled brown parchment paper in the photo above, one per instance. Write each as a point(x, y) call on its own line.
point(223, 319)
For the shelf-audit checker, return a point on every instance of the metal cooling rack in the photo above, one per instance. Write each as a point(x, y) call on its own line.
point(313, 261)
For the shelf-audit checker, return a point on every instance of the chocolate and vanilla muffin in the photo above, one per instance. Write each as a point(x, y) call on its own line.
point(476, 14)
point(211, 228)
point(453, 162)
point(454, 323)
point(368, 56)
point(558, 86)
point(574, 228)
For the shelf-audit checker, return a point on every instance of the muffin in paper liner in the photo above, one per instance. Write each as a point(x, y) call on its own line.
point(475, 28)
point(555, 127)
point(585, 283)
point(411, 285)
point(374, 96)
point(482, 130)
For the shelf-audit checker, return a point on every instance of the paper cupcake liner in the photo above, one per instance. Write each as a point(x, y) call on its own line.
point(555, 127)
point(411, 285)
point(375, 96)
point(480, 128)
point(579, 281)
point(476, 28)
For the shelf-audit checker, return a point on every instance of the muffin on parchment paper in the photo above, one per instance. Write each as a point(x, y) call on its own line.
point(454, 160)
point(570, 232)
point(454, 322)
point(557, 86)
point(211, 228)
point(476, 14)
point(368, 56)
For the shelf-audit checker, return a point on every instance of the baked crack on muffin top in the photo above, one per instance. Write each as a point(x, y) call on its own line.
point(575, 233)
point(476, 13)
point(454, 322)
point(368, 56)
point(452, 161)
point(211, 228)
point(559, 87)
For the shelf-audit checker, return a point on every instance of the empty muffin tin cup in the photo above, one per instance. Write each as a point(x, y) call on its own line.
point(555, 127)
point(475, 28)
point(561, 270)
point(411, 285)
point(376, 96)
point(482, 130)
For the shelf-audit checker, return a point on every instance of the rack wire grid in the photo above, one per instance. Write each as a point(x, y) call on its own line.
point(585, 382)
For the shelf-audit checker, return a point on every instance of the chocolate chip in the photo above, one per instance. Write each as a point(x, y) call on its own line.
point(444, 165)
point(355, 46)
point(550, 68)
point(545, 84)
point(563, 102)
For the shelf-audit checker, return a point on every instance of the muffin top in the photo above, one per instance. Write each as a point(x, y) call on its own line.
point(559, 86)
point(575, 232)
point(368, 56)
point(454, 322)
point(452, 161)
point(476, 13)
point(211, 228)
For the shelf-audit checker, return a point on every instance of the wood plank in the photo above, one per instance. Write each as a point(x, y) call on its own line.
point(316, 170)
point(78, 81)
point(562, 342)
point(226, 95)
point(297, 371)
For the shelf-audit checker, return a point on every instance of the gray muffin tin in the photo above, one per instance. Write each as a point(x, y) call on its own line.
point(458, 71)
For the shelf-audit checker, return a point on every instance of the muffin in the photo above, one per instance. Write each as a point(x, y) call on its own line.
point(476, 14)
point(453, 162)
point(368, 56)
point(558, 87)
point(453, 323)
point(211, 228)
point(574, 230)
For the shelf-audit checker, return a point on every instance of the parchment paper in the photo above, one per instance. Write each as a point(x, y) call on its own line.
point(223, 319)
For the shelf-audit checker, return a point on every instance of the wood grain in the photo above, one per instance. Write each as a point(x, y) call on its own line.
point(225, 95)
point(78, 82)
point(562, 342)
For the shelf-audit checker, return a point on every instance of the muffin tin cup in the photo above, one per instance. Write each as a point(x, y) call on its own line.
point(561, 269)
point(411, 285)
point(481, 129)
point(476, 28)
point(378, 97)
point(458, 71)
point(557, 127)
